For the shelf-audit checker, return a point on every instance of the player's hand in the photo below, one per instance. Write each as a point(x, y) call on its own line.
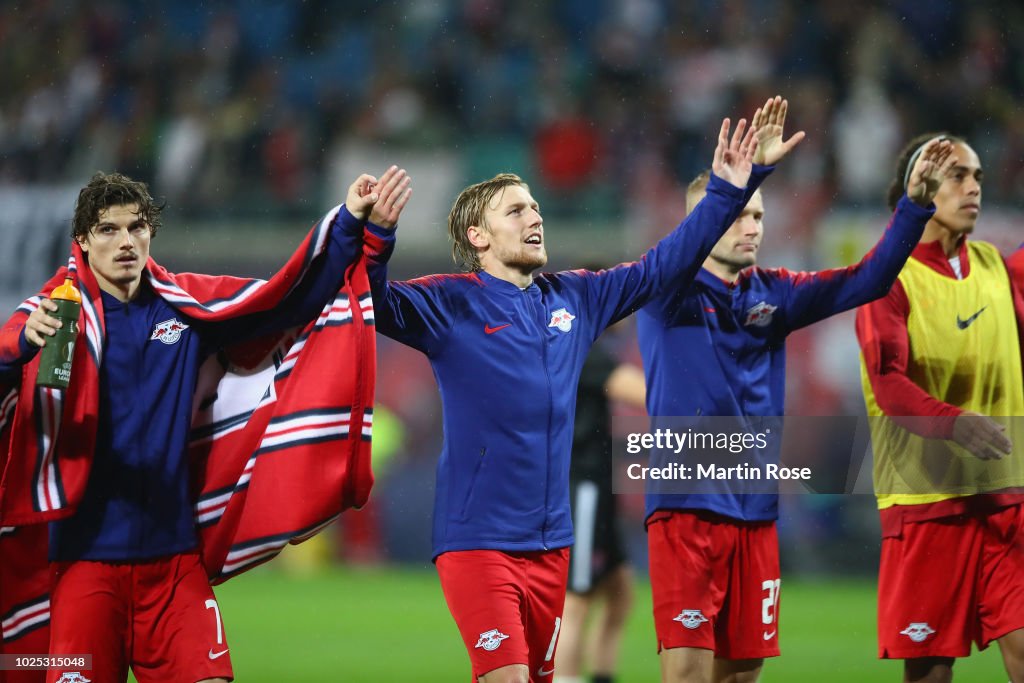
point(982, 436)
point(769, 121)
point(41, 324)
point(394, 192)
point(361, 196)
point(931, 168)
point(734, 159)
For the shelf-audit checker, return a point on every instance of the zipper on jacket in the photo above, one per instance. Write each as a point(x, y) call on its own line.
point(547, 455)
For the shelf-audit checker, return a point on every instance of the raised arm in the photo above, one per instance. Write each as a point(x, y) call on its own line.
point(673, 263)
point(814, 296)
point(326, 273)
point(414, 313)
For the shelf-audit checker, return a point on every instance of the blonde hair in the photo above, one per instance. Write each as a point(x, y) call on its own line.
point(697, 188)
point(468, 210)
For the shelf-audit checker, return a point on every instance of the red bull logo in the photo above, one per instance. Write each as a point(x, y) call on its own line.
point(169, 331)
point(562, 319)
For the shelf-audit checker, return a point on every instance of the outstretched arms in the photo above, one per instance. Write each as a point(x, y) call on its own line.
point(817, 295)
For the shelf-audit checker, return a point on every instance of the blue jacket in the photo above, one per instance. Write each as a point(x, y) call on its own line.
point(507, 362)
point(715, 349)
point(137, 504)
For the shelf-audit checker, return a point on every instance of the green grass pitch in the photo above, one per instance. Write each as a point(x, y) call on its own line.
point(391, 624)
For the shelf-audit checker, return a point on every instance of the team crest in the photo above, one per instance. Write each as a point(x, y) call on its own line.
point(760, 315)
point(918, 631)
point(73, 677)
point(562, 319)
point(690, 618)
point(169, 331)
point(490, 640)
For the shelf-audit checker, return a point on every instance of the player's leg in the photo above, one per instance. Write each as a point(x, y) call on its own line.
point(616, 591)
point(513, 673)
point(485, 595)
point(546, 576)
point(89, 614)
point(738, 670)
point(178, 629)
point(687, 664)
point(1012, 648)
point(928, 670)
point(688, 559)
point(569, 663)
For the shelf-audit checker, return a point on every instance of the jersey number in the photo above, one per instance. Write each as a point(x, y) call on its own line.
point(770, 604)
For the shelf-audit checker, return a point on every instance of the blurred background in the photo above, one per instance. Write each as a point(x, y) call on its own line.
point(251, 117)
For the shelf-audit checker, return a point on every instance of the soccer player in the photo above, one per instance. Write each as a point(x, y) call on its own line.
point(506, 348)
point(128, 587)
point(943, 346)
point(599, 577)
point(717, 348)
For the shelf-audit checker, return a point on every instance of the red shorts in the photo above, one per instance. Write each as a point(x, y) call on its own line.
point(160, 617)
point(715, 583)
point(507, 606)
point(946, 582)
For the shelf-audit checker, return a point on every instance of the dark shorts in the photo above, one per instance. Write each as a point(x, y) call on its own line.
point(598, 549)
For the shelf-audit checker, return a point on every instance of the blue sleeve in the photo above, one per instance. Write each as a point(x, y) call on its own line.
point(415, 313)
point(319, 285)
point(815, 296)
point(672, 263)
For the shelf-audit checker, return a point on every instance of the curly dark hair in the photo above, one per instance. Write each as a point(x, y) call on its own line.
point(112, 189)
point(896, 186)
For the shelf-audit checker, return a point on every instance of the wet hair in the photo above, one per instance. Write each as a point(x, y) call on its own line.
point(112, 189)
point(911, 152)
point(469, 209)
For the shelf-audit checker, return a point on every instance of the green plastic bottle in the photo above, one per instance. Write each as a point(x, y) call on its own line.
point(55, 358)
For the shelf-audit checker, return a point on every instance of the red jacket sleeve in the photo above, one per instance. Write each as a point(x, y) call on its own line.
point(885, 344)
point(1015, 267)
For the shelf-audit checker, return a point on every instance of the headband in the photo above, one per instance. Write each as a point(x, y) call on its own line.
point(914, 157)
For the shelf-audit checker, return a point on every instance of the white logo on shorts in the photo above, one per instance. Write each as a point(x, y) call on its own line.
point(490, 640)
point(73, 677)
point(918, 631)
point(690, 618)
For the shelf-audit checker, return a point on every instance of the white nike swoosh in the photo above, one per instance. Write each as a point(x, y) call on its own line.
point(214, 655)
point(542, 672)
point(768, 636)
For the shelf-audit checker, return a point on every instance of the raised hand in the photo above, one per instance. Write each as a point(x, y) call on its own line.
point(734, 159)
point(930, 169)
point(361, 196)
point(982, 436)
point(769, 121)
point(394, 192)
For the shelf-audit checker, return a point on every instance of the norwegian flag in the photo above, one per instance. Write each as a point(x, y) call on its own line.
point(262, 434)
